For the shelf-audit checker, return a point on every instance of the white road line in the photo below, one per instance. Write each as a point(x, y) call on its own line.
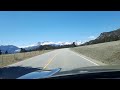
point(85, 58)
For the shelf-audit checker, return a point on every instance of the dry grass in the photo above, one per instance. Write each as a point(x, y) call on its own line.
point(13, 58)
point(108, 53)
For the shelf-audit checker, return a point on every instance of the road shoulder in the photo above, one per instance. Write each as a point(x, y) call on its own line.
point(88, 58)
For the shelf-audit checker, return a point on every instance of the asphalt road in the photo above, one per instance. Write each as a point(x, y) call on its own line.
point(61, 58)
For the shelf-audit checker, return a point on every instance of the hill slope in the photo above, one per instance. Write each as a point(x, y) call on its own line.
point(108, 53)
point(105, 37)
point(9, 48)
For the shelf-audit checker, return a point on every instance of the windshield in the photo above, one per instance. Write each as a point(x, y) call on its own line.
point(45, 40)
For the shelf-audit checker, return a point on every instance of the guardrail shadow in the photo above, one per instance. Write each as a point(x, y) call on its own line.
point(15, 72)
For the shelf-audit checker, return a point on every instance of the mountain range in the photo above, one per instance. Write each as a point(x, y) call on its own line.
point(105, 37)
point(8, 48)
point(14, 49)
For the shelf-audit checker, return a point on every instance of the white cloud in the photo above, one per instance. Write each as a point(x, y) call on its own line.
point(91, 37)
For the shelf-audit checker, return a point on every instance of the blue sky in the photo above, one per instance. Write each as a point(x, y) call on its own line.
point(27, 27)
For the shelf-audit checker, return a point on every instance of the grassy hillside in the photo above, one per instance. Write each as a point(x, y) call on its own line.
point(105, 37)
point(108, 53)
point(13, 58)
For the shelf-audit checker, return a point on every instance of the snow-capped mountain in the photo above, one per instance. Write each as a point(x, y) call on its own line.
point(78, 43)
point(30, 47)
point(54, 43)
point(35, 46)
point(14, 49)
point(8, 48)
point(45, 43)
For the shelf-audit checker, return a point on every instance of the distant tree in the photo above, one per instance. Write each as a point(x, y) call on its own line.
point(6, 52)
point(74, 44)
point(0, 52)
point(41, 47)
point(22, 50)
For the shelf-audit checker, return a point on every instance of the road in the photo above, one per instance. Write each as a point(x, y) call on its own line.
point(61, 58)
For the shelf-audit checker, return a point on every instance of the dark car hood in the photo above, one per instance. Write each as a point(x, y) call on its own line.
point(58, 72)
point(90, 69)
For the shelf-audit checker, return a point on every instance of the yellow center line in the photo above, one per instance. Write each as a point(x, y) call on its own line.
point(50, 60)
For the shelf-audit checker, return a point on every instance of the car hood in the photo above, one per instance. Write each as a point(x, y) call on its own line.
point(91, 69)
point(57, 72)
